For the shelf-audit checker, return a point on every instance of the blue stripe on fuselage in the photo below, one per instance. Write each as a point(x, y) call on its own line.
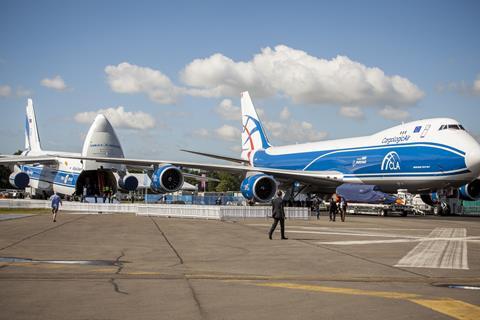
point(414, 158)
point(50, 175)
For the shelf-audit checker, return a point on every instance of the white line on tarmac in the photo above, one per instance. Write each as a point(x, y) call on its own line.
point(448, 250)
point(350, 242)
point(381, 235)
point(340, 228)
point(395, 229)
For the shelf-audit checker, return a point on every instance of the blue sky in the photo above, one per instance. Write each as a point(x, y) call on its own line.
point(316, 69)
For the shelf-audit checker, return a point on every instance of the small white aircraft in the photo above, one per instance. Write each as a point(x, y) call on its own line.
point(424, 157)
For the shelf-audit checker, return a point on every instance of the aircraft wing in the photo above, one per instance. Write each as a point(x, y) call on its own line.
point(199, 178)
point(217, 156)
point(8, 159)
point(331, 178)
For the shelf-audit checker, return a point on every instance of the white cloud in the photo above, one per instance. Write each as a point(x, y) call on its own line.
point(228, 133)
point(220, 76)
point(225, 132)
point(300, 76)
point(476, 85)
point(22, 92)
point(5, 91)
point(56, 83)
point(461, 87)
point(120, 118)
point(129, 78)
point(393, 113)
point(236, 148)
point(285, 114)
point(201, 132)
point(260, 112)
point(228, 111)
point(282, 71)
point(293, 131)
point(351, 112)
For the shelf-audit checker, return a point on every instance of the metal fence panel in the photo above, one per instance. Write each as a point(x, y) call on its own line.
point(162, 210)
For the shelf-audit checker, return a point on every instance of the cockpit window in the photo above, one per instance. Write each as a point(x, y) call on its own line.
point(451, 126)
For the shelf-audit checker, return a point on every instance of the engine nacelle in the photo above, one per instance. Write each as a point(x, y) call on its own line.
point(260, 187)
point(470, 191)
point(128, 182)
point(166, 179)
point(19, 180)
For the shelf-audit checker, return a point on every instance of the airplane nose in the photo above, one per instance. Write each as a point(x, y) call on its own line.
point(473, 159)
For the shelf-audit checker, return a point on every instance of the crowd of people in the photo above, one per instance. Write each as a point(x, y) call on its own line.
point(337, 204)
point(107, 194)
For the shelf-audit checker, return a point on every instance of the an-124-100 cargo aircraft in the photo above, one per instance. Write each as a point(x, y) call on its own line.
point(424, 157)
point(68, 173)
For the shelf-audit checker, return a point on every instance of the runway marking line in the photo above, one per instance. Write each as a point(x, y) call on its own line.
point(351, 291)
point(444, 248)
point(454, 308)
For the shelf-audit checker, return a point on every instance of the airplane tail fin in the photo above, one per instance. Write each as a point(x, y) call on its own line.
point(253, 134)
point(32, 140)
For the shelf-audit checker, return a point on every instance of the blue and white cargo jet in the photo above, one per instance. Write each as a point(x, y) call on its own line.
point(45, 172)
point(424, 157)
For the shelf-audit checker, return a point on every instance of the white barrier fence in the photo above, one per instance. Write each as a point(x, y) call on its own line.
point(160, 210)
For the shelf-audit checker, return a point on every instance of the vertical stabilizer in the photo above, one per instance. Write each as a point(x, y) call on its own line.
point(32, 140)
point(253, 134)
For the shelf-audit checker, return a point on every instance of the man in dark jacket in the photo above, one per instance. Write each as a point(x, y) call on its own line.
point(278, 214)
point(333, 208)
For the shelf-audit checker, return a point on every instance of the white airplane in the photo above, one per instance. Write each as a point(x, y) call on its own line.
point(424, 157)
point(67, 173)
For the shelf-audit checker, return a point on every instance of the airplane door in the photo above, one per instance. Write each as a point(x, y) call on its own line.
point(425, 131)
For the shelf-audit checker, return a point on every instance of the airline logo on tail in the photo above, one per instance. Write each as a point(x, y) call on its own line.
point(253, 134)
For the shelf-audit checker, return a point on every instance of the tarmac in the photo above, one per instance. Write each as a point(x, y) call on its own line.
point(121, 266)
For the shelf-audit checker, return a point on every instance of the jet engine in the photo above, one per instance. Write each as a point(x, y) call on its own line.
point(260, 187)
point(166, 179)
point(470, 191)
point(19, 180)
point(128, 182)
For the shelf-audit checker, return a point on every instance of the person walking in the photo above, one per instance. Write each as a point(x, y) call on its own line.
point(278, 214)
point(316, 206)
point(56, 202)
point(333, 208)
point(84, 193)
point(105, 193)
point(343, 208)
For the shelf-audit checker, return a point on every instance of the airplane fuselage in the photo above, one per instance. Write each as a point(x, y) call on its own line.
point(417, 156)
point(61, 178)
